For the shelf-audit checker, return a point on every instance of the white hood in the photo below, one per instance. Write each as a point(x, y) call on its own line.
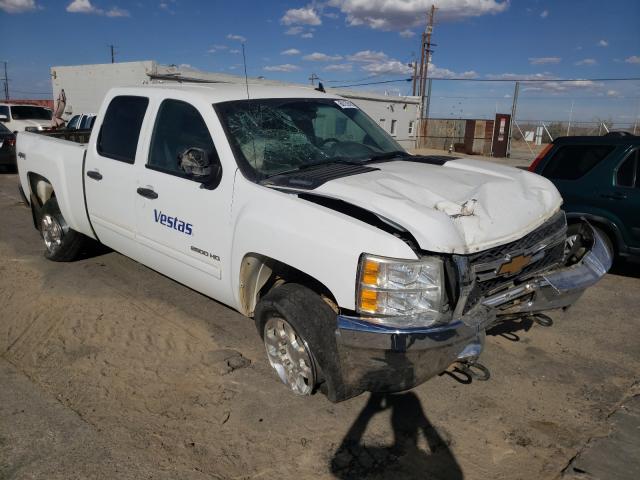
point(464, 206)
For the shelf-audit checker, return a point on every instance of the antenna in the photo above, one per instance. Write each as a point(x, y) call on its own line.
point(246, 79)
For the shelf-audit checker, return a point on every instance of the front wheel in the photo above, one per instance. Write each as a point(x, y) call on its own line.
point(295, 323)
point(62, 244)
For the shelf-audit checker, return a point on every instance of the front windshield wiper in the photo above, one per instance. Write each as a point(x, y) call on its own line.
point(387, 156)
point(306, 166)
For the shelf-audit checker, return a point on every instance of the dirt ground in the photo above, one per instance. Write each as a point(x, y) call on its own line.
point(111, 370)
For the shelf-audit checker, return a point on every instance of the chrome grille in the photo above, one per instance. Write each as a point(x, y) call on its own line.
point(545, 246)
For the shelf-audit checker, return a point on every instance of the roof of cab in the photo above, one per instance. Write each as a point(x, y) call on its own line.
point(224, 92)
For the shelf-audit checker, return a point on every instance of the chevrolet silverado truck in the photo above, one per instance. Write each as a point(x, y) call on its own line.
point(364, 268)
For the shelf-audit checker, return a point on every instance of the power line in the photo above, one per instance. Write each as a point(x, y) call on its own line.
point(373, 83)
point(523, 80)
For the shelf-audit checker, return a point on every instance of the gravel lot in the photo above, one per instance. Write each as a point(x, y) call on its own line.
point(111, 370)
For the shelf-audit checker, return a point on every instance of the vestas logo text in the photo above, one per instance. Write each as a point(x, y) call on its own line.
point(173, 222)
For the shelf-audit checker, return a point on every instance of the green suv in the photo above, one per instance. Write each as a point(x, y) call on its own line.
point(599, 179)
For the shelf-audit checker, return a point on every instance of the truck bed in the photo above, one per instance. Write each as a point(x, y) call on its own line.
point(58, 159)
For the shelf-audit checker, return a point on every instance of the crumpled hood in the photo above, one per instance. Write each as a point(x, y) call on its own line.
point(463, 206)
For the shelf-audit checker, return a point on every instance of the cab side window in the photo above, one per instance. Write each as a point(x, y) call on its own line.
point(628, 173)
point(179, 127)
point(118, 138)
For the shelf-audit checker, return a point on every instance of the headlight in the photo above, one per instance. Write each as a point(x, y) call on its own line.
point(412, 289)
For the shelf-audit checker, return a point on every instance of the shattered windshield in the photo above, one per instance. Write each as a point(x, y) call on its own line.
point(275, 136)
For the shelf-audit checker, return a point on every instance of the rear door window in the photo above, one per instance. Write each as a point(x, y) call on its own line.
point(118, 138)
point(571, 162)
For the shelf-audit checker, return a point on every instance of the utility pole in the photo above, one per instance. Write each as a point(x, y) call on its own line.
point(113, 53)
point(514, 106)
point(313, 79)
point(6, 83)
point(425, 58)
point(414, 64)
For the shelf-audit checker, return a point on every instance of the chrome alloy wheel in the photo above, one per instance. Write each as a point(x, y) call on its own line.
point(52, 232)
point(289, 355)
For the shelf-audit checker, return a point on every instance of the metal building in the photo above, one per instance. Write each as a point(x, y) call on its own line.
point(86, 85)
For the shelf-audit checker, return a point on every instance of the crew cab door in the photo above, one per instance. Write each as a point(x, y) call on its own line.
point(109, 173)
point(183, 229)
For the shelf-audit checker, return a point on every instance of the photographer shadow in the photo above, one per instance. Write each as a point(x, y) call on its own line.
point(405, 458)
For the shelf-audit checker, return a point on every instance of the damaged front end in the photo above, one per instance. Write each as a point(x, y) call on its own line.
point(541, 271)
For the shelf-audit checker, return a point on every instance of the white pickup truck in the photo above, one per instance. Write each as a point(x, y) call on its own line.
point(364, 267)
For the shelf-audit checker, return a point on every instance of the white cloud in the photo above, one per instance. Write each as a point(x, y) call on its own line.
point(18, 6)
point(603, 43)
point(321, 57)
point(544, 60)
point(291, 51)
point(234, 50)
point(588, 62)
point(286, 67)
point(544, 14)
point(294, 31)
point(613, 93)
point(301, 16)
point(85, 6)
point(115, 12)
point(237, 38)
point(407, 33)
point(632, 59)
point(217, 48)
point(338, 67)
point(367, 56)
point(82, 6)
point(387, 67)
point(403, 14)
point(307, 35)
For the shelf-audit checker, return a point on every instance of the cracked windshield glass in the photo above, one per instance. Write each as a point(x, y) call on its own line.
point(284, 135)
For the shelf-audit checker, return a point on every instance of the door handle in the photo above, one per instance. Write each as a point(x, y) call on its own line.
point(614, 196)
point(94, 174)
point(147, 193)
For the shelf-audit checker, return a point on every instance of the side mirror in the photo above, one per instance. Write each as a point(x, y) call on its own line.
point(4, 118)
point(196, 163)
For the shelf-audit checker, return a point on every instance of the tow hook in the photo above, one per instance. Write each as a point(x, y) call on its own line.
point(475, 370)
point(542, 319)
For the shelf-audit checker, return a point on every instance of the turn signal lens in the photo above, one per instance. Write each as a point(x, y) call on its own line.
point(368, 300)
point(370, 272)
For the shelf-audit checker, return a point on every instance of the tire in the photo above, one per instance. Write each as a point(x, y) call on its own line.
point(62, 244)
point(607, 240)
point(579, 240)
point(296, 325)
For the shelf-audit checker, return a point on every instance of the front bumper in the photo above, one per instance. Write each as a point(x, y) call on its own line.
point(377, 358)
point(556, 288)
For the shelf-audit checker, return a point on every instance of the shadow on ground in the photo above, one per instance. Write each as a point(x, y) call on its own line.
point(626, 268)
point(356, 459)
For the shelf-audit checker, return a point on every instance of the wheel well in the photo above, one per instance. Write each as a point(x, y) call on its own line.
point(41, 188)
point(607, 227)
point(260, 274)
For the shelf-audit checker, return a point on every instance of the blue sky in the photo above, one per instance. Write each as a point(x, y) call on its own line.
point(353, 41)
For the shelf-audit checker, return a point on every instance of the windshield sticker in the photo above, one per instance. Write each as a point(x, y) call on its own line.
point(345, 104)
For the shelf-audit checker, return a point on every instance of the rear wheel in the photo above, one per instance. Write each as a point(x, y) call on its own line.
point(62, 244)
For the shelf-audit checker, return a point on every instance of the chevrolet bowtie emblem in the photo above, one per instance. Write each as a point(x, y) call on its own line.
point(514, 265)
